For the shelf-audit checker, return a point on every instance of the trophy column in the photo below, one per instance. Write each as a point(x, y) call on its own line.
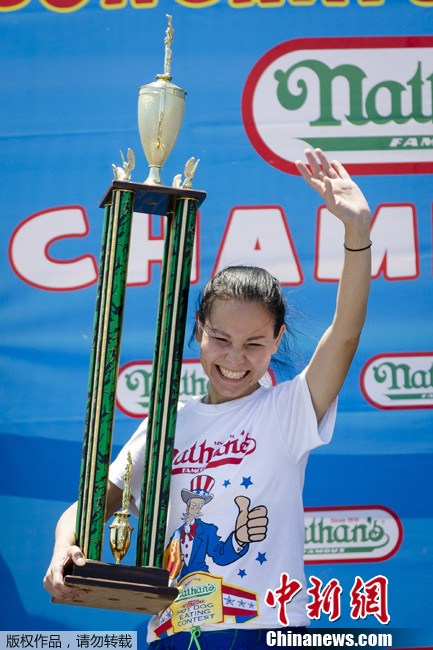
point(104, 362)
point(173, 303)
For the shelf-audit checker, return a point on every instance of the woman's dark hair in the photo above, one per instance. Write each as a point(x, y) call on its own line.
point(246, 283)
point(249, 284)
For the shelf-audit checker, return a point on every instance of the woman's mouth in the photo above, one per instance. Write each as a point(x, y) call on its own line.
point(231, 374)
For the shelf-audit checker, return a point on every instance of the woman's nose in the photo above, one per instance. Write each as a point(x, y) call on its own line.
point(234, 354)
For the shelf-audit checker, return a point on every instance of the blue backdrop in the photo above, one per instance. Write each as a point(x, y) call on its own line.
point(70, 77)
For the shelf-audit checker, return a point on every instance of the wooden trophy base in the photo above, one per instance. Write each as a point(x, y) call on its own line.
point(126, 588)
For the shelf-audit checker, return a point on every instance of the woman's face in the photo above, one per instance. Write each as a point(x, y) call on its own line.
point(237, 342)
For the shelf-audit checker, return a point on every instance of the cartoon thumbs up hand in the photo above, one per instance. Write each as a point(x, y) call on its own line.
point(251, 525)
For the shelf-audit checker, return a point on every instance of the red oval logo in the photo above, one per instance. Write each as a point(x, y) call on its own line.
point(330, 93)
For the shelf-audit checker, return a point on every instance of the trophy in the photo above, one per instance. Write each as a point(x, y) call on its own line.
point(143, 587)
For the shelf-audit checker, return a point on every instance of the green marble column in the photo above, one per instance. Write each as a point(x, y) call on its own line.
point(167, 365)
point(103, 371)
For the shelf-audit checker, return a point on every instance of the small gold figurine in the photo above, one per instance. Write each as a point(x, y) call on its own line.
point(124, 173)
point(189, 171)
point(121, 529)
point(168, 41)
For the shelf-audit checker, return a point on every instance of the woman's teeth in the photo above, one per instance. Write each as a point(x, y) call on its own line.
point(230, 374)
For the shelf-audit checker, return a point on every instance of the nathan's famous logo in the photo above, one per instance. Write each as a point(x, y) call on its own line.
point(135, 380)
point(201, 591)
point(351, 534)
point(366, 101)
point(399, 380)
point(212, 453)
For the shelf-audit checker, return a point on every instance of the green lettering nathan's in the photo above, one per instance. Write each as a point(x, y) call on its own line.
point(400, 376)
point(403, 101)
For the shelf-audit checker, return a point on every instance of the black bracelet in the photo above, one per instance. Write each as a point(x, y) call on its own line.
point(357, 250)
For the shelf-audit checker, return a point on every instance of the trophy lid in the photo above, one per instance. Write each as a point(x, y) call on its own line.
point(161, 83)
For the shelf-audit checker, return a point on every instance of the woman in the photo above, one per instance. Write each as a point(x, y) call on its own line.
point(236, 520)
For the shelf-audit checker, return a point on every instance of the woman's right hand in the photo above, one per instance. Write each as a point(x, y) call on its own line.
point(66, 552)
point(54, 580)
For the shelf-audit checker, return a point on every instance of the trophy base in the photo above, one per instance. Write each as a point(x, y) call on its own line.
point(138, 589)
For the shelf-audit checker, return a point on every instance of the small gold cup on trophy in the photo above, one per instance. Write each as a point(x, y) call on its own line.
point(161, 106)
point(121, 529)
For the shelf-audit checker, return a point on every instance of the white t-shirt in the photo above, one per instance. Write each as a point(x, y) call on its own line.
point(255, 447)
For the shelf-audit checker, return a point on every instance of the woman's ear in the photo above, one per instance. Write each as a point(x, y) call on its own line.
point(198, 328)
point(279, 337)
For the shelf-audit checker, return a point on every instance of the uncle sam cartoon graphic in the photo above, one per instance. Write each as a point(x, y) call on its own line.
point(195, 539)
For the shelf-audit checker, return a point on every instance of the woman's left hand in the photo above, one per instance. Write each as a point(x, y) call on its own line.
point(330, 179)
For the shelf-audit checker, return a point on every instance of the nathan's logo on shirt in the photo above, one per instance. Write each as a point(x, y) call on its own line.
point(399, 381)
point(351, 534)
point(209, 454)
point(135, 380)
point(201, 591)
point(331, 93)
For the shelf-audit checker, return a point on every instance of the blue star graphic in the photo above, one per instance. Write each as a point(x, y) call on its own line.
point(246, 481)
point(261, 557)
point(226, 483)
point(242, 573)
point(229, 600)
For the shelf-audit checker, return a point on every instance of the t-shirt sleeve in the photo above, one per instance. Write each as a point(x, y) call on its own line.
point(136, 445)
point(297, 419)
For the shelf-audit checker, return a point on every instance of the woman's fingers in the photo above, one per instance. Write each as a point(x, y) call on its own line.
point(309, 177)
point(315, 162)
point(76, 555)
point(340, 169)
point(54, 580)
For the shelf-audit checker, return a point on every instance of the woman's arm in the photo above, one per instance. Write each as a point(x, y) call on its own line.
point(331, 360)
point(66, 551)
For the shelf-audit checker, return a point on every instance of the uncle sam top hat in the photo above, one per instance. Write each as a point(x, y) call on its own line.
point(200, 488)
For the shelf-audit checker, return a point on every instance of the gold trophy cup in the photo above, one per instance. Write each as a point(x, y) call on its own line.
point(161, 106)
